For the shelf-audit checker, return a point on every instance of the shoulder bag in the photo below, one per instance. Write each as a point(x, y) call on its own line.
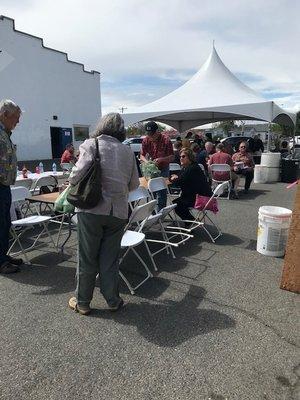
point(86, 193)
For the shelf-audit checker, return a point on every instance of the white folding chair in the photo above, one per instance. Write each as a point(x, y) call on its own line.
point(133, 238)
point(167, 234)
point(136, 196)
point(225, 169)
point(157, 184)
point(44, 181)
point(27, 183)
point(20, 194)
point(174, 167)
point(173, 189)
point(202, 215)
point(202, 167)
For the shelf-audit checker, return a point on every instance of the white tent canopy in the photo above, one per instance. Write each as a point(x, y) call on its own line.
point(212, 94)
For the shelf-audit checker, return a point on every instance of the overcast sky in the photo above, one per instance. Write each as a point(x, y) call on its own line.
point(146, 48)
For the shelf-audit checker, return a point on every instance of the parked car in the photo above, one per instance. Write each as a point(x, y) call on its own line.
point(135, 143)
point(297, 142)
point(234, 141)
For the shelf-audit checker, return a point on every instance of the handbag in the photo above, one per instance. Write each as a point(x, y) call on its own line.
point(86, 193)
point(62, 205)
point(201, 202)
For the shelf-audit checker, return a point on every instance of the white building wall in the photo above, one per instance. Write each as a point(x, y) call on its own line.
point(44, 83)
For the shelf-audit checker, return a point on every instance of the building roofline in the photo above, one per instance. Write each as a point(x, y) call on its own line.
point(3, 17)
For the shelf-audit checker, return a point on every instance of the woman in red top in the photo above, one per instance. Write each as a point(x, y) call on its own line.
point(244, 164)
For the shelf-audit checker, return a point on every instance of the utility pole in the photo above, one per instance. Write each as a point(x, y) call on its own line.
point(122, 109)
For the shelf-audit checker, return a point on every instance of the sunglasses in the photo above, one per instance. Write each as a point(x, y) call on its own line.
point(242, 147)
point(182, 156)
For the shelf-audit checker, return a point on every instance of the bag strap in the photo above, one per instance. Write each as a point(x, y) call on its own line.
point(97, 156)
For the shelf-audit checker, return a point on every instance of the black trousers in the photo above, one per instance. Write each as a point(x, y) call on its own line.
point(249, 175)
point(182, 209)
point(5, 222)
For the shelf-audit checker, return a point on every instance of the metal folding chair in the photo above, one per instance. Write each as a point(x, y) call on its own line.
point(175, 229)
point(156, 221)
point(138, 195)
point(49, 182)
point(20, 226)
point(202, 215)
point(133, 238)
point(223, 168)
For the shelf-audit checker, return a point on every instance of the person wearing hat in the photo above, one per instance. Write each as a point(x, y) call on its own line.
point(157, 147)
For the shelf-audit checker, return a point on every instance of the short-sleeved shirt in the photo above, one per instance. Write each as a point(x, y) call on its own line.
point(246, 158)
point(160, 148)
point(8, 158)
point(67, 157)
point(221, 158)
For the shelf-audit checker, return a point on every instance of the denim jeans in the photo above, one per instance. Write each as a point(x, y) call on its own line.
point(5, 222)
point(161, 195)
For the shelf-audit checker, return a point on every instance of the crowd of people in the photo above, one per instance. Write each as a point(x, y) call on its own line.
point(207, 153)
point(100, 229)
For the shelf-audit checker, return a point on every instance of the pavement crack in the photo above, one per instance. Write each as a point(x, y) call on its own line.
point(257, 319)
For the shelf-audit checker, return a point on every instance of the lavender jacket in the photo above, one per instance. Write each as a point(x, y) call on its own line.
point(119, 174)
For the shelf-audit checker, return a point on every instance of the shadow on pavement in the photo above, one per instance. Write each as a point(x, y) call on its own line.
point(45, 273)
point(171, 323)
point(228, 239)
point(252, 194)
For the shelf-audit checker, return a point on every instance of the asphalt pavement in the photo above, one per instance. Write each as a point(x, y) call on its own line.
point(213, 324)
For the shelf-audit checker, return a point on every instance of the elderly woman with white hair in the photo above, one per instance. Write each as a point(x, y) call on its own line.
point(101, 228)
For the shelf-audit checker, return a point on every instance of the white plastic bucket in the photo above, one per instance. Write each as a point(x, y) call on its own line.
point(271, 159)
point(273, 228)
point(272, 174)
point(260, 174)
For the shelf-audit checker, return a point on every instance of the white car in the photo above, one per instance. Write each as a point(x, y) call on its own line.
point(297, 142)
point(135, 143)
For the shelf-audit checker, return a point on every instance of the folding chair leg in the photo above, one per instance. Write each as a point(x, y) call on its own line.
point(216, 226)
point(48, 233)
point(17, 240)
point(60, 229)
point(131, 289)
point(151, 257)
point(169, 247)
point(149, 274)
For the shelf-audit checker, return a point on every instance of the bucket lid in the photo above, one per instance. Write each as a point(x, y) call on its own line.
point(273, 211)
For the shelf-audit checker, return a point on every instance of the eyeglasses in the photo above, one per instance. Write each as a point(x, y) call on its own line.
point(183, 156)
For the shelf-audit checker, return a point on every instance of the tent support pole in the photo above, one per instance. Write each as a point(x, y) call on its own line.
point(269, 129)
point(179, 126)
point(269, 137)
point(294, 140)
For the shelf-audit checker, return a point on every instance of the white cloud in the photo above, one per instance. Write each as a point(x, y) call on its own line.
point(169, 39)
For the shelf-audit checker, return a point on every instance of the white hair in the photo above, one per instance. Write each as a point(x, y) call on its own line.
point(9, 107)
point(111, 124)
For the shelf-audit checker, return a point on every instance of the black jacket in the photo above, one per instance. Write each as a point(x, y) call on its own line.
point(192, 181)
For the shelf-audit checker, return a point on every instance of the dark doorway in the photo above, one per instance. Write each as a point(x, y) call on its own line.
point(60, 137)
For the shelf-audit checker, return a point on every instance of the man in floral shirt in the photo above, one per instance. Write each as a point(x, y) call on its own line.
point(9, 117)
point(158, 147)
